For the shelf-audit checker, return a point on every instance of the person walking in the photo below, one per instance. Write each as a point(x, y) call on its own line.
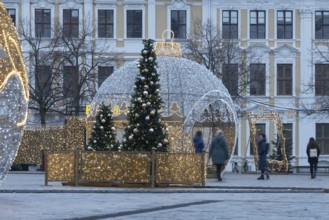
point(313, 152)
point(219, 153)
point(198, 142)
point(263, 148)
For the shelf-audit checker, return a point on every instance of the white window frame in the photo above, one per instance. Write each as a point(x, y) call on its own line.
point(134, 7)
point(13, 6)
point(239, 20)
point(52, 17)
point(107, 7)
point(276, 24)
point(178, 6)
point(71, 6)
point(266, 24)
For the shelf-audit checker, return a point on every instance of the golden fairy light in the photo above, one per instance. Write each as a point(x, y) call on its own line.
point(14, 92)
point(274, 117)
point(168, 48)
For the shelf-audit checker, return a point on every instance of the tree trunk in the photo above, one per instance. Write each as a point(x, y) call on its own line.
point(42, 116)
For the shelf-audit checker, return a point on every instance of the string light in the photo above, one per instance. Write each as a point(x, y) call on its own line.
point(53, 139)
point(274, 117)
point(13, 92)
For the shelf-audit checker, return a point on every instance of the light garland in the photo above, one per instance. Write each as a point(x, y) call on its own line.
point(13, 92)
point(274, 117)
point(91, 167)
point(55, 139)
point(168, 48)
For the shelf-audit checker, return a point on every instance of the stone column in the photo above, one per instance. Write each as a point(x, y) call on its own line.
point(306, 37)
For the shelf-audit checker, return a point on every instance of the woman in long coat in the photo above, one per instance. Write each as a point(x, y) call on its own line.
point(313, 157)
point(219, 152)
point(262, 154)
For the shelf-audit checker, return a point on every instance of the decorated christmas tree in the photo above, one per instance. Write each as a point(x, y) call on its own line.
point(103, 136)
point(145, 129)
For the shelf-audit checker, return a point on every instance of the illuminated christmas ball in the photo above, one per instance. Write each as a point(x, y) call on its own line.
point(101, 127)
point(145, 93)
point(159, 144)
point(151, 130)
point(113, 128)
point(153, 112)
point(135, 130)
point(144, 105)
point(103, 120)
point(148, 103)
point(130, 137)
point(166, 141)
point(14, 92)
point(147, 118)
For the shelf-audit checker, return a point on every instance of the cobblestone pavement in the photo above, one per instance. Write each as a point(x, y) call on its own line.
point(237, 197)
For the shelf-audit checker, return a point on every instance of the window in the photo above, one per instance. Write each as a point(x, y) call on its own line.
point(178, 23)
point(322, 79)
point(103, 73)
point(284, 79)
point(260, 129)
point(71, 80)
point(322, 25)
point(43, 81)
point(257, 79)
point(71, 22)
point(134, 23)
point(12, 14)
point(287, 133)
point(284, 25)
point(257, 24)
point(105, 23)
point(230, 78)
point(230, 24)
point(42, 22)
point(322, 137)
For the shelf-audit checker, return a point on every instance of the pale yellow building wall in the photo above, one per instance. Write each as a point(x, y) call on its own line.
point(146, 35)
point(196, 15)
point(297, 24)
point(271, 75)
point(161, 20)
point(244, 23)
point(271, 24)
point(120, 22)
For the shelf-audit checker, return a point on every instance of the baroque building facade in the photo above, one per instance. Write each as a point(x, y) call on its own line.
point(288, 36)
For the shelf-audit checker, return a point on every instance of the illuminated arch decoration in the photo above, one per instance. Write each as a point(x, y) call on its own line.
point(14, 92)
point(168, 48)
point(274, 165)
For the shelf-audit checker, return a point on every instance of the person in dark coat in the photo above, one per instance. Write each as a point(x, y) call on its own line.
point(262, 153)
point(219, 153)
point(198, 142)
point(313, 153)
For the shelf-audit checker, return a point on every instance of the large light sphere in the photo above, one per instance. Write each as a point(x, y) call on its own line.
point(13, 92)
point(187, 88)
